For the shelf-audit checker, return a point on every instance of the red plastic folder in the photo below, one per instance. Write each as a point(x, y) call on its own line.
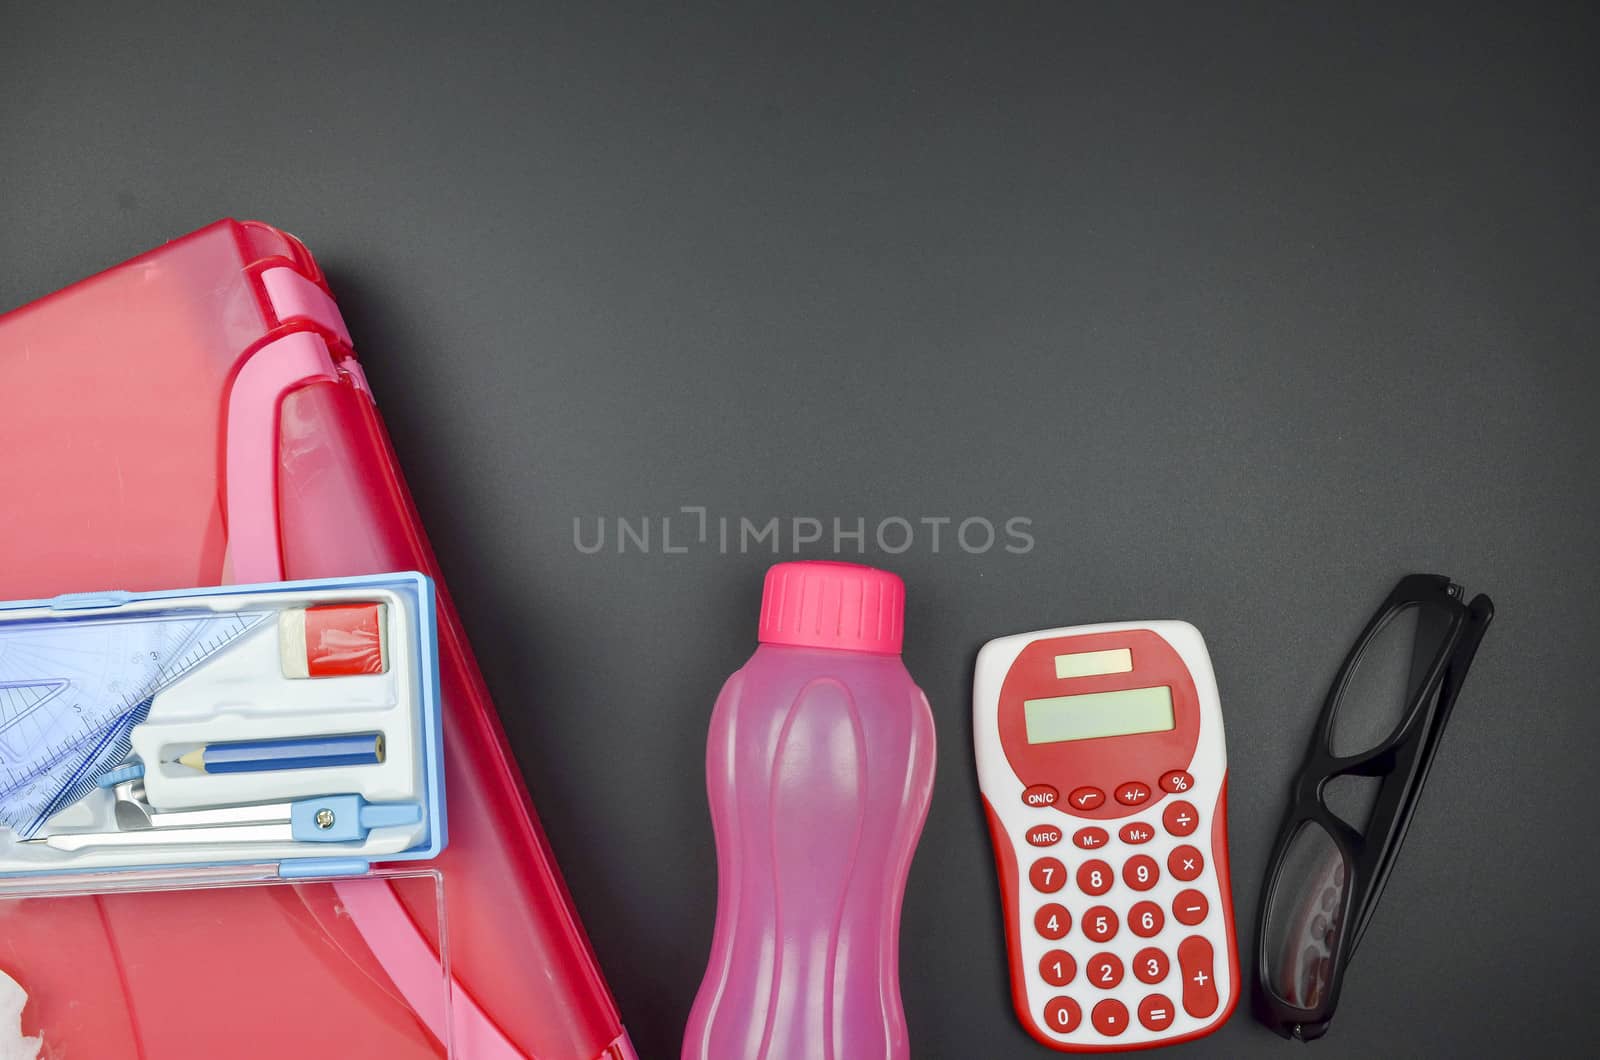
point(197, 416)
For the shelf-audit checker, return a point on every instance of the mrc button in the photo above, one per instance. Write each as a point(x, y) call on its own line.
point(1043, 835)
point(1039, 795)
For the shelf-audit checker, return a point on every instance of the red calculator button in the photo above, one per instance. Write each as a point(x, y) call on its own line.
point(1057, 967)
point(1043, 835)
point(1109, 1017)
point(1150, 965)
point(1133, 793)
point(1039, 795)
point(1086, 798)
point(1186, 863)
point(1047, 875)
point(1140, 872)
point(1052, 921)
point(1145, 919)
point(1099, 923)
point(1176, 782)
point(1062, 1015)
point(1155, 1012)
point(1094, 877)
point(1190, 907)
point(1136, 832)
point(1104, 970)
point(1180, 818)
point(1090, 838)
point(1199, 985)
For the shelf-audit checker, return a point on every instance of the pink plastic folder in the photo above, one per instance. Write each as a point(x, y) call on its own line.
point(197, 416)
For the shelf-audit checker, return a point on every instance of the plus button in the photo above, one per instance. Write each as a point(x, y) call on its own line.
point(1199, 987)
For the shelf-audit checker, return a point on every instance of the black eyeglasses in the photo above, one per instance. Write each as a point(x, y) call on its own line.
point(1355, 793)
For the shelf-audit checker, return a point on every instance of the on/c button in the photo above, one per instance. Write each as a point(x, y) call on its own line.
point(1039, 795)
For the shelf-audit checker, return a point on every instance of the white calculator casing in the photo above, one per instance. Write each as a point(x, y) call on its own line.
point(1018, 779)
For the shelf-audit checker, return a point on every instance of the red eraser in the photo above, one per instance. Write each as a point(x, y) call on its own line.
point(334, 640)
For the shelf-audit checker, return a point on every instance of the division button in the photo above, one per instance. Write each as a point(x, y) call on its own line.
point(1180, 818)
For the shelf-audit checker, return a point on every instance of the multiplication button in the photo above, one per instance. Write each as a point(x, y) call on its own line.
point(1186, 863)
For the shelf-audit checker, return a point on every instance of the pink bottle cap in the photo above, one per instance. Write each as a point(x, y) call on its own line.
point(821, 604)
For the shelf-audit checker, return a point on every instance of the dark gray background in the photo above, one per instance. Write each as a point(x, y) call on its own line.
point(1249, 311)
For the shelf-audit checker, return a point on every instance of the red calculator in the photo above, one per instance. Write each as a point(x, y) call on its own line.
point(1104, 776)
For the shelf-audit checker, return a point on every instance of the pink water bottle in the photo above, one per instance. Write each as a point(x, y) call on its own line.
point(819, 768)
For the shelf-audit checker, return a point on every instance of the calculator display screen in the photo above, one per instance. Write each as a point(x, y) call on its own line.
point(1123, 712)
